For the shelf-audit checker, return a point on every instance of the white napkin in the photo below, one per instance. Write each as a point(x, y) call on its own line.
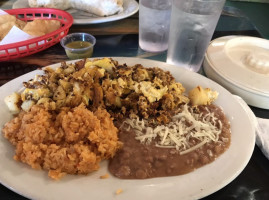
point(3, 12)
point(262, 135)
point(261, 127)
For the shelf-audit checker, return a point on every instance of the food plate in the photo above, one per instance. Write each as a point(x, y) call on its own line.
point(36, 184)
point(130, 7)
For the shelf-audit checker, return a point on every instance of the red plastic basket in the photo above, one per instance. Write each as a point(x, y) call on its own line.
point(31, 46)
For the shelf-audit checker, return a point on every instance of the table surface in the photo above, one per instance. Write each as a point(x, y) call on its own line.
point(120, 38)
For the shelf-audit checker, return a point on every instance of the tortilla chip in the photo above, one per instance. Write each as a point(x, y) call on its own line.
point(5, 28)
point(12, 19)
point(40, 27)
point(20, 24)
point(7, 18)
point(7, 22)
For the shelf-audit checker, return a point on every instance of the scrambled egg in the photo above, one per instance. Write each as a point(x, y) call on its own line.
point(132, 91)
point(149, 91)
point(35, 94)
point(104, 63)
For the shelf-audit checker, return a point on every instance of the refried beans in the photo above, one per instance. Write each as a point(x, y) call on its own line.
point(138, 160)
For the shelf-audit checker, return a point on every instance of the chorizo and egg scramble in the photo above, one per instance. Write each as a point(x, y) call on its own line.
point(69, 119)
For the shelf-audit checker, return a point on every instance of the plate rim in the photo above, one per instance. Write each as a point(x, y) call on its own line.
point(98, 20)
point(203, 193)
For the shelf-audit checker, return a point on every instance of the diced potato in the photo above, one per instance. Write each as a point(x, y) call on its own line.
point(76, 88)
point(59, 93)
point(26, 105)
point(13, 102)
point(65, 85)
point(199, 96)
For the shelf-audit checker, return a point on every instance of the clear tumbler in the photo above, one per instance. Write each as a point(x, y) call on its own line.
point(191, 28)
point(154, 20)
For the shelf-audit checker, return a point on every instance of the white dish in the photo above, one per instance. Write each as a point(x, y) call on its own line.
point(36, 184)
point(241, 65)
point(130, 7)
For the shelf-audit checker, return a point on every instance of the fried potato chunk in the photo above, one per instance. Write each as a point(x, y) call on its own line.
point(13, 102)
point(200, 96)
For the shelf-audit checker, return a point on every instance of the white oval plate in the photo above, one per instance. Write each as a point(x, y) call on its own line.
point(130, 7)
point(36, 184)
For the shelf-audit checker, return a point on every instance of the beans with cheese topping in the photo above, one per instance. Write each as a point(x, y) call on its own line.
point(140, 160)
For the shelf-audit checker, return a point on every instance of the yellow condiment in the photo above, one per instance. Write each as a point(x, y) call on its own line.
point(78, 44)
point(78, 50)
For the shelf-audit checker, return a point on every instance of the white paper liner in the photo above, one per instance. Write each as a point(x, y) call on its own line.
point(15, 35)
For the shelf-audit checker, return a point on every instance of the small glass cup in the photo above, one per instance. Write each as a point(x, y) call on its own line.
point(78, 45)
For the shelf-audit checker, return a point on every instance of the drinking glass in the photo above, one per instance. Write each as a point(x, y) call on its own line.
point(191, 28)
point(154, 20)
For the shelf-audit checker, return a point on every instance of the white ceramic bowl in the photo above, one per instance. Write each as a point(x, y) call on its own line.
point(241, 65)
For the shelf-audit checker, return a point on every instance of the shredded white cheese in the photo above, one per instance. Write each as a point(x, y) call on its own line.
point(184, 127)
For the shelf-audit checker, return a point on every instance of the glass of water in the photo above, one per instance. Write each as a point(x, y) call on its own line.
point(191, 28)
point(154, 20)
